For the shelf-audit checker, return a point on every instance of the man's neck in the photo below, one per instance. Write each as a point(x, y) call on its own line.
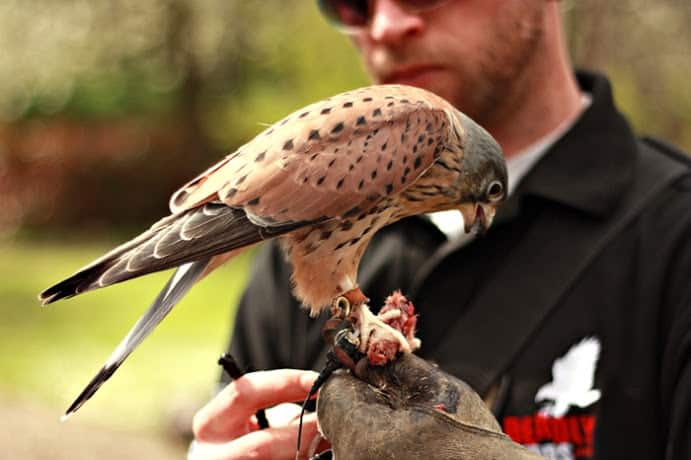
point(537, 121)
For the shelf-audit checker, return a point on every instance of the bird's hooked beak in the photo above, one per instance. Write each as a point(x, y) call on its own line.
point(478, 216)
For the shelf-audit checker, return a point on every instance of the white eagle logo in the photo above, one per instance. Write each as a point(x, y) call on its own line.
point(573, 377)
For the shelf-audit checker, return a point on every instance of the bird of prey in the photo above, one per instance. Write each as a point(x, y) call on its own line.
point(322, 180)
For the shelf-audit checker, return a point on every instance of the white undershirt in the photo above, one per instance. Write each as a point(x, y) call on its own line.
point(518, 165)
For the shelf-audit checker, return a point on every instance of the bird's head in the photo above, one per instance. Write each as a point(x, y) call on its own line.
point(483, 182)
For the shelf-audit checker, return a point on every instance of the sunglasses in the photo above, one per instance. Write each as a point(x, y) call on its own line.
point(354, 16)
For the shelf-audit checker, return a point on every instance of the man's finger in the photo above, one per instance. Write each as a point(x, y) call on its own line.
point(274, 443)
point(282, 414)
point(228, 415)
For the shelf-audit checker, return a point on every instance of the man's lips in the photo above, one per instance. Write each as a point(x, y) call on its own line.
point(411, 75)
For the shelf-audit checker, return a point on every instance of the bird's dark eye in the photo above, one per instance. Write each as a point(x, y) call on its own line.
point(495, 191)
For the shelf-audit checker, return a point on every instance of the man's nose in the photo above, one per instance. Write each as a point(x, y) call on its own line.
point(390, 22)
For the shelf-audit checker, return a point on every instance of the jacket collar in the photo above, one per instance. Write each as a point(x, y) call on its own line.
point(591, 166)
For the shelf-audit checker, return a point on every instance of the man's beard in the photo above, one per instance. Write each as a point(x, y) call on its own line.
point(487, 86)
point(503, 78)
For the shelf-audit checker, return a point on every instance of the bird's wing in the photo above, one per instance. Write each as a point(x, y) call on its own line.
point(344, 153)
point(197, 233)
point(181, 281)
point(340, 155)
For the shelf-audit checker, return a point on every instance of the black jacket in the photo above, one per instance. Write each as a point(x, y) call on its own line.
point(503, 310)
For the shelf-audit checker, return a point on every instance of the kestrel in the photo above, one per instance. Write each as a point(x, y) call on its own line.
point(323, 180)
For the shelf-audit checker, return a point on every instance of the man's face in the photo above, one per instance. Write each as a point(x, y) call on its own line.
point(474, 53)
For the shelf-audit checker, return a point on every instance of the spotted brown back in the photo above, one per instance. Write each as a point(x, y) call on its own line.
point(338, 155)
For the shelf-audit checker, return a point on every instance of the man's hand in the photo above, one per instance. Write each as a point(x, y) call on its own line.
point(226, 427)
point(409, 409)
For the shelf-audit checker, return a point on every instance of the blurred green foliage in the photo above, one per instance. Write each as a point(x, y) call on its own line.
point(49, 354)
point(106, 104)
point(248, 61)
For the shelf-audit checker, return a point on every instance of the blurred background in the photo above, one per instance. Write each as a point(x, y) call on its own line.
point(107, 107)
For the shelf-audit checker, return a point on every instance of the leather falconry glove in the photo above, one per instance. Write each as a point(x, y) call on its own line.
point(409, 409)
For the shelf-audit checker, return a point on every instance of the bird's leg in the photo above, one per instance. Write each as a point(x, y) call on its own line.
point(379, 341)
point(382, 336)
point(354, 332)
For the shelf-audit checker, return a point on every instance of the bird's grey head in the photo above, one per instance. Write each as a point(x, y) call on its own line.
point(483, 182)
